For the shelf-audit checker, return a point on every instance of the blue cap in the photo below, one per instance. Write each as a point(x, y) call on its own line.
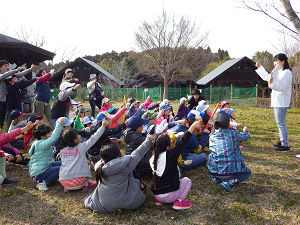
point(34, 118)
point(165, 107)
point(101, 116)
point(136, 121)
point(67, 122)
point(16, 114)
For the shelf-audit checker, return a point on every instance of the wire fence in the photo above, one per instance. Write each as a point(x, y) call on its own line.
point(236, 95)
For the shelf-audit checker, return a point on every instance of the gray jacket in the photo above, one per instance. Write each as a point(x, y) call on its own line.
point(118, 188)
point(3, 76)
point(73, 159)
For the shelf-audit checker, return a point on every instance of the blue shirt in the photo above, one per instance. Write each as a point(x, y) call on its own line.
point(225, 157)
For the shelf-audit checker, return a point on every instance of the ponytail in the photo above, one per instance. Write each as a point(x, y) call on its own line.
point(161, 143)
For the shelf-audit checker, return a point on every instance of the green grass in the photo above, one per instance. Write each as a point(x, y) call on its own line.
point(270, 196)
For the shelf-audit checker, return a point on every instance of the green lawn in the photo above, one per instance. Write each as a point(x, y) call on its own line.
point(270, 196)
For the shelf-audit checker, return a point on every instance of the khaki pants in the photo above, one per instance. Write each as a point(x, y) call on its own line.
point(41, 108)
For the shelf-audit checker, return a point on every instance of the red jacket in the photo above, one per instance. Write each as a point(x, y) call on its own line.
point(115, 118)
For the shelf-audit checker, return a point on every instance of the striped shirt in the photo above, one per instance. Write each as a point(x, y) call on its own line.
point(225, 157)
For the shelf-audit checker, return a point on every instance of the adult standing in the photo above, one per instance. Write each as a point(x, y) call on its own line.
point(42, 98)
point(4, 73)
point(280, 81)
point(195, 98)
point(68, 76)
point(96, 93)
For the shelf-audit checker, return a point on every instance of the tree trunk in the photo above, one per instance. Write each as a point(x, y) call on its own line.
point(293, 17)
point(165, 89)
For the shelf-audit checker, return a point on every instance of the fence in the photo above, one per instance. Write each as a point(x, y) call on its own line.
point(236, 95)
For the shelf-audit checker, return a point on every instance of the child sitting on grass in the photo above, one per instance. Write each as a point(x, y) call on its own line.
point(167, 187)
point(164, 114)
point(41, 167)
point(117, 187)
point(226, 162)
point(4, 139)
point(74, 170)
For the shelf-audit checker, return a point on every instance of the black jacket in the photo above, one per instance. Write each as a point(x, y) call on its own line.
point(169, 181)
point(193, 102)
point(133, 140)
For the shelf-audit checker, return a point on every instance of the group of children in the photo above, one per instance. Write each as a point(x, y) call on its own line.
point(158, 145)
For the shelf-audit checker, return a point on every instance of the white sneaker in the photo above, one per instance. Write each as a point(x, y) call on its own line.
point(42, 186)
point(298, 156)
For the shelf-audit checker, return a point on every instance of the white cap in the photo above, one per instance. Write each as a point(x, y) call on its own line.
point(68, 70)
point(66, 85)
point(87, 120)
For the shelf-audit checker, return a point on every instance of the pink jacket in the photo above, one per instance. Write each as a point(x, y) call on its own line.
point(104, 108)
point(9, 137)
point(115, 118)
point(160, 118)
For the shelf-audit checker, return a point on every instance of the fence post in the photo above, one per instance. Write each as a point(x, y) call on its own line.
point(256, 93)
point(231, 92)
point(210, 94)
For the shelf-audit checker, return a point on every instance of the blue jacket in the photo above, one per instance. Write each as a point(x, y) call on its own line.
point(41, 153)
point(42, 91)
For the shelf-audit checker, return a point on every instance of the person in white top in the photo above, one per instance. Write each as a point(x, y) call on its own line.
point(280, 81)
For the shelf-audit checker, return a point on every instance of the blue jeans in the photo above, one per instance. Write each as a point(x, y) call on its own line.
point(93, 104)
point(50, 175)
point(280, 116)
point(240, 176)
point(197, 159)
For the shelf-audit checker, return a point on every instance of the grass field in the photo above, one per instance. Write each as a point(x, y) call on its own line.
point(270, 196)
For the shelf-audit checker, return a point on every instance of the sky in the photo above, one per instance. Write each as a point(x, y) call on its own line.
point(97, 26)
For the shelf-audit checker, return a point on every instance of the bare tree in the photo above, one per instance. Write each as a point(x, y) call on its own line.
point(165, 42)
point(31, 37)
point(280, 11)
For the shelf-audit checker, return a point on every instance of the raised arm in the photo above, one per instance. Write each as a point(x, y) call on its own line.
point(43, 78)
point(139, 153)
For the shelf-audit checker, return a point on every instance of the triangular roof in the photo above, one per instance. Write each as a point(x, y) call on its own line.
point(17, 51)
point(60, 73)
point(221, 70)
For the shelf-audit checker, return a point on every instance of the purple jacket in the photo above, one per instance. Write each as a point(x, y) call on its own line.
point(182, 111)
point(13, 149)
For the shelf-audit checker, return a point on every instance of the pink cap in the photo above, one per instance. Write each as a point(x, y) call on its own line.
point(224, 103)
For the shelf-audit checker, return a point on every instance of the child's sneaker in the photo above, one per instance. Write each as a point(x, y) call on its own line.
point(7, 181)
point(215, 180)
point(42, 186)
point(180, 205)
point(227, 186)
point(158, 202)
point(90, 185)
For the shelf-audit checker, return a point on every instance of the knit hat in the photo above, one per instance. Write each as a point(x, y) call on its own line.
point(105, 100)
point(150, 115)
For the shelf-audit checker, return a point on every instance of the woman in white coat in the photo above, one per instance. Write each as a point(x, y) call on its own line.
point(280, 81)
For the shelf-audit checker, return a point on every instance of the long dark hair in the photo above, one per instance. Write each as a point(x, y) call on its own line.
point(282, 57)
point(161, 143)
point(107, 153)
point(68, 138)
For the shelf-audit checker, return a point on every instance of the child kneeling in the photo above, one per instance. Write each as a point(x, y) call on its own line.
point(167, 187)
point(74, 170)
point(226, 162)
point(117, 188)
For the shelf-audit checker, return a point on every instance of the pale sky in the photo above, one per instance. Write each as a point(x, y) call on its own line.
point(97, 26)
